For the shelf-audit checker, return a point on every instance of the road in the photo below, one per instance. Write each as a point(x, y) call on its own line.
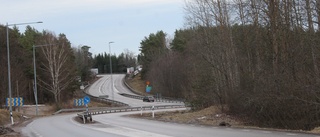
point(103, 87)
point(116, 125)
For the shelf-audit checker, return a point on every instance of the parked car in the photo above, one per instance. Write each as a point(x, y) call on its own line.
point(148, 99)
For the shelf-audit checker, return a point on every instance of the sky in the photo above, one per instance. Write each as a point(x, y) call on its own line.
point(95, 23)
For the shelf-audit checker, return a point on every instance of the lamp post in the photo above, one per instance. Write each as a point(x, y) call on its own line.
point(111, 70)
point(8, 54)
point(35, 74)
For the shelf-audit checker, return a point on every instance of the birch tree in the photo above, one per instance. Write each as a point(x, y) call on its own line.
point(57, 64)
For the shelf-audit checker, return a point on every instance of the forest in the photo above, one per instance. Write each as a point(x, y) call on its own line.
point(60, 67)
point(55, 65)
point(257, 59)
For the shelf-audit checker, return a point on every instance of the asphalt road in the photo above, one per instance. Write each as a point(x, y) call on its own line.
point(103, 87)
point(116, 125)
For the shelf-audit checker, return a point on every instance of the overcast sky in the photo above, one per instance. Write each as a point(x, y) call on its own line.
point(97, 22)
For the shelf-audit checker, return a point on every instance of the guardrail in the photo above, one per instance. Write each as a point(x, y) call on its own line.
point(87, 116)
point(78, 110)
point(84, 116)
point(163, 99)
point(127, 109)
point(131, 96)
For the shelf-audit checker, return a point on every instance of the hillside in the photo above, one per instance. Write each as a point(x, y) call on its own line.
point(211, 116)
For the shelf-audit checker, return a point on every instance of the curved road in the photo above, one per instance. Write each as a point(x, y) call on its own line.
point(116, 125)
point(103, 87)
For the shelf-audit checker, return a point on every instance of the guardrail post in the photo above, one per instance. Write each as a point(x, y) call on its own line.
point(152, 111)
point(84, 120)
point(141, 111)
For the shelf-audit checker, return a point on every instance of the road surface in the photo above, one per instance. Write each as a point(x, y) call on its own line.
point(116, 125)
point(103, 87)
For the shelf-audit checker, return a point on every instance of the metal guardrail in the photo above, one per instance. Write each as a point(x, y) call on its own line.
point(163, 99)
point(69, 110)
point(87, 116)
point(128, 109)
point(84, 116)
point(79, 109)
point(131, 96)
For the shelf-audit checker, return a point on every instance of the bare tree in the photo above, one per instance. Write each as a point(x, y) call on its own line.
point(57, 65)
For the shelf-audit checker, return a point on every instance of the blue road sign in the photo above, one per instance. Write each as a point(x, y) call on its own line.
point(86, 100)
point(148, 88)
point(14, 101)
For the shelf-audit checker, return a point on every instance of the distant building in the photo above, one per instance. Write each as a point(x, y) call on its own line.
point(130, 70)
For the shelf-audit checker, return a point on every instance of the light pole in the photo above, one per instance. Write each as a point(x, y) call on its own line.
point(8, 54)
point(111, 70)
point(35, 74)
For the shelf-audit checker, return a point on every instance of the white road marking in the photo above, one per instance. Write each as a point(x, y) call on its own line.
point(291, 134)
point(104, 82)
point(34, 131)
point(246, 130)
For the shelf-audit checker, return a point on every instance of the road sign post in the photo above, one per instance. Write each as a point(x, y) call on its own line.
point(87, 109)
point(86, 100)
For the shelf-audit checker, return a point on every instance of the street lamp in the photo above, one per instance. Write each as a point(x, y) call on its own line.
point(8, 53)
point(111, 70)
point(35, 74)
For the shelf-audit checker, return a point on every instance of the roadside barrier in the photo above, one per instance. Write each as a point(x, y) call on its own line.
point(128, 109)
point(163, 99)
point(84, 116)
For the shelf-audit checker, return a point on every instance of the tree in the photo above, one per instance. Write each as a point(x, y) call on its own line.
point(59, 65)
point(84, 61)
point(126, 59)
point(152, 47)
point(180, 39)
point(259, 58)
point(119, 63)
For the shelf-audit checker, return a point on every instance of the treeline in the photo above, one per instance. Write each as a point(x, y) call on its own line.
point(58, 65)
point(119, 63)
point(256, 59)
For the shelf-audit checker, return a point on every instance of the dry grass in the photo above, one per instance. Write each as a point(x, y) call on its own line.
point(316, 130)
point(211, 116)
point(138, 84)
point(93, 103)
point(5, 117)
